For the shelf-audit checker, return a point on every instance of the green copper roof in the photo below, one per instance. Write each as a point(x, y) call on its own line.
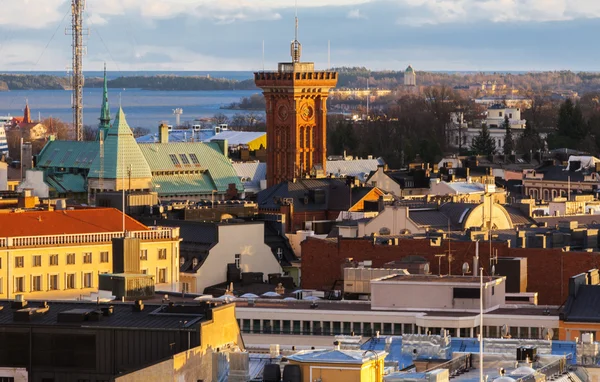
point(172, 185)
point(67, 183)
point(192, 156)
point(67, 154)
point(104, 124)
point(121, 154)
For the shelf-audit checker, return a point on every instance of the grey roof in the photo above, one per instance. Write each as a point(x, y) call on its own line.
point(456, 211)
point(585, 306)
point(337, 195)
point(360, 168)
point(518, 217)
point(250, 174)
point(237, 138)
point(123, 316)
point(431, 218)
point(337, 356)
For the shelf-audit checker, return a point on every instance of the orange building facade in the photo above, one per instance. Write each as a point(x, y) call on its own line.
point(296, 117)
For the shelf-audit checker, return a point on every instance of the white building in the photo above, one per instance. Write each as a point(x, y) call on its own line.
point(495, 116)
point(410, 77)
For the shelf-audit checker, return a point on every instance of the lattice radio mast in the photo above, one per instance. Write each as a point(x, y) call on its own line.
point(77, 31)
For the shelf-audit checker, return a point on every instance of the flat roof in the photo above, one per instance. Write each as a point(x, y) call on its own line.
point(365, 306)
point(153, 316)
point(439, 279)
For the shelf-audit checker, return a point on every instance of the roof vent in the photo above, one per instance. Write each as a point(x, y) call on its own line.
point(19, 302)
point(138, 306)
point(107, 311)
point(74, 315)
point(28, 314)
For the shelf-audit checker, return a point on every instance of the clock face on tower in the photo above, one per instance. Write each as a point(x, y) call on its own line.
point(283, 112)
point(307, 112)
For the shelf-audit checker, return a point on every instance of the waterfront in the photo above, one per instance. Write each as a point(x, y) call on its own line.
point(144, 108)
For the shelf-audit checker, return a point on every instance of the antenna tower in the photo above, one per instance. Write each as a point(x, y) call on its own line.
point(77, 31)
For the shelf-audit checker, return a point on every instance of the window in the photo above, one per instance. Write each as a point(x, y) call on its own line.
point(387, 329)
point(162, 253)
point(87, 280)
point(162, 275)
point(19, 284)
point(237, 260)
point(266, 326)
point(104, 257)
point(194, 159)
point(194, 262)
point(500, 114)
point(276, 326)
point(36, 283)
point(408, 329)
point(70, 281)
point(184, 159)
point(374, 183)
point(469, 293)
point(87, 258)
point(0, 263)
point(37, 261)
point(181, 261)
point(70, 258)
point(174, 159)
point(1, 285)
point(144, 254)
point(53, 282)
point(19, 262)
point(144, 271)
point(53, 260)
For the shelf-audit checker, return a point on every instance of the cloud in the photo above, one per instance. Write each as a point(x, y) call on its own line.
point(355, 14)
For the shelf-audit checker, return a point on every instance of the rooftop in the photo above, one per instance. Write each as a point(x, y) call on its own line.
point(155, 316)
point(337, 356)
point(439, 279)
point(38, 223)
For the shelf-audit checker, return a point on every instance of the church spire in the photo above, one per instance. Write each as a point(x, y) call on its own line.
point(105, 110)
point(27, 113)
point(296, 48)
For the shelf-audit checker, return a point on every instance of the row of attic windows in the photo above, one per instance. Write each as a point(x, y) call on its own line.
point(184, 159)
point(182, 172)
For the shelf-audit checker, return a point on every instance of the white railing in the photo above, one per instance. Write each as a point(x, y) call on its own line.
point(156, 233)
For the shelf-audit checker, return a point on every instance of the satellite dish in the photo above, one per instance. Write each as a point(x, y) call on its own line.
point(504, 331)
point(426, 268)
point(548, 333)
point(465, 268)
point(493, 270)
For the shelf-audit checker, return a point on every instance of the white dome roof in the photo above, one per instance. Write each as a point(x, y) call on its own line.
point(523, 370)
point(409, 69)
point(504, 379)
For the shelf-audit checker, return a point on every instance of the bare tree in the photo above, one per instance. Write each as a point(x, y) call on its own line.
point(89, 133)
point(220, 118)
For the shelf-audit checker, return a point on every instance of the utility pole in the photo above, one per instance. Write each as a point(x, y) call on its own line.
point(77, 31)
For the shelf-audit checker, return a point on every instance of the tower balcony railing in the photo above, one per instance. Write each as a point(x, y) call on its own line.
point(155, 233)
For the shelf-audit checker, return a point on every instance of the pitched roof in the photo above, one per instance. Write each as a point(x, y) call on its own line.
point(251, 173)
point(67, 154)
point(239, 137)
point(122, 155)
point(361, 168)
point(38, 223)
point(192, 156)
point(585, 306)
point(66, 183)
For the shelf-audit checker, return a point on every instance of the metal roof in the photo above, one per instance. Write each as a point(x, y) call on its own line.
point(239, 137)
point(337, 356)
point(191, 156)
point(122, 155)
point(361, 168)
point(67, 183)
point(250, 174)
point(67, 154)
point(182, 184)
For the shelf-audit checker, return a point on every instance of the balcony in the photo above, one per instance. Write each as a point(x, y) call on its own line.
point(155, 233)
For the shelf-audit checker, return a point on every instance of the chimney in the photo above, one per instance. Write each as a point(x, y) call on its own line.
point(163, 133)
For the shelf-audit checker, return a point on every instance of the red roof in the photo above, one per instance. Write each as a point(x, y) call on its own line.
point(91, 220)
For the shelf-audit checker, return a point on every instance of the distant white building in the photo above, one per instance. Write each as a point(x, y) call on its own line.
point(410, 77)
point(495, 115)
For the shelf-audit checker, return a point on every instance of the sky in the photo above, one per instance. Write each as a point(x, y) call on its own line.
point(173, 35)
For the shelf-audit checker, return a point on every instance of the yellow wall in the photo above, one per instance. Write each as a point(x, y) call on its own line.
point(9, 272)
point(222, 330)
point(255, 144)
point(335, 372)
point(567, 331)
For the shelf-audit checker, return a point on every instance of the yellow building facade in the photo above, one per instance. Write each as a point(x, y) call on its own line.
point(68, 265)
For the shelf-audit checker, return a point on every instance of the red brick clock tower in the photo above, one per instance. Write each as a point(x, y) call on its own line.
point(296, 98)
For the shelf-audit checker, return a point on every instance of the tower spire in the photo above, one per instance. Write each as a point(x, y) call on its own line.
point(296, 49)
point(27, 113)
point(104, 124)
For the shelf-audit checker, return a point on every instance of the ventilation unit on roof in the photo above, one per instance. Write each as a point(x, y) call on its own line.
point(78, 315)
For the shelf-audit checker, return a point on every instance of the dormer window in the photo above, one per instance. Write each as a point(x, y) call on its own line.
point(195, 262)
point(181, 261)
